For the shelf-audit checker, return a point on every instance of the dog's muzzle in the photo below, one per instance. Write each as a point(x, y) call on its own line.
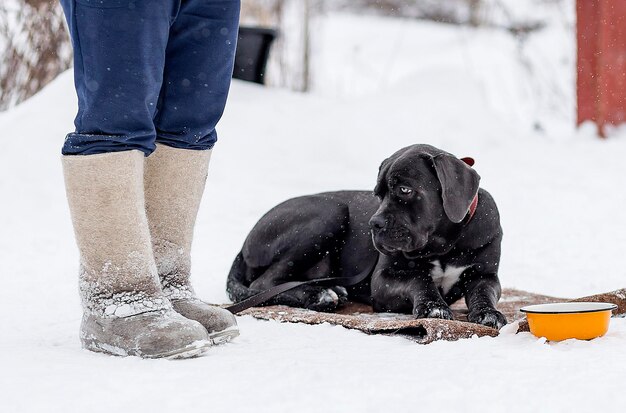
point(389, 239)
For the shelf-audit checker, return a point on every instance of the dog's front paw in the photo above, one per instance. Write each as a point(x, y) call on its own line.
point(325, 300)
point(488, 317)
point(433, 310)
point(342, 294)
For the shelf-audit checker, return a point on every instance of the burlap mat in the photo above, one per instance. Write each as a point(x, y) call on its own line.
point(361, 317)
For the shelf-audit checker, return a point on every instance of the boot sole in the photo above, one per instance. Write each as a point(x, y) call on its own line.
point(192, 350)
point(224, 336)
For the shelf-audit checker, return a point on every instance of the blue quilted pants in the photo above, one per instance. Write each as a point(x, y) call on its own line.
point(150, 71)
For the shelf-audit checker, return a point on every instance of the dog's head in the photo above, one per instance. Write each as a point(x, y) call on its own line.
point(424, 191)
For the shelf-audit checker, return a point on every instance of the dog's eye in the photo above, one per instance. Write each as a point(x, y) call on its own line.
point(405, 191)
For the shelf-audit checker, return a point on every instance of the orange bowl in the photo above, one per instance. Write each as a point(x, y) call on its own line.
point(561, 321)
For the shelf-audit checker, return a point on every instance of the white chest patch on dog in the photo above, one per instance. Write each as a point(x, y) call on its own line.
point(445, 279)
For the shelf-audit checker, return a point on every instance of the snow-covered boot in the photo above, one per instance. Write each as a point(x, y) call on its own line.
point(174, 184)
point(125, 310)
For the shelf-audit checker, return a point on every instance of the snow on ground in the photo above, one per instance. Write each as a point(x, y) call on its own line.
point(560, 193)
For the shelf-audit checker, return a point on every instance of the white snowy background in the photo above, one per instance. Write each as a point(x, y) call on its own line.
point(380, 84)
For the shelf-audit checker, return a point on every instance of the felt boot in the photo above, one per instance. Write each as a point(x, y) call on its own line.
point(125, 310)
point(174, 183)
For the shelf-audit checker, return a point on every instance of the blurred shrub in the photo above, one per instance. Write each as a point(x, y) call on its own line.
point(34, 46)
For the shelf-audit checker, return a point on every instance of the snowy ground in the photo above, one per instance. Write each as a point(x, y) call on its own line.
point(560, 193)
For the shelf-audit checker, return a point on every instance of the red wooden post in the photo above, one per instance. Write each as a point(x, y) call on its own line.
point(601, 81)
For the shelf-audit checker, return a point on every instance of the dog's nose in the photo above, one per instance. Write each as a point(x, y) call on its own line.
point(378, 222)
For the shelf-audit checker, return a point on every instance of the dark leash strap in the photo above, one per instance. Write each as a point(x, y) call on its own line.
point(262, 297)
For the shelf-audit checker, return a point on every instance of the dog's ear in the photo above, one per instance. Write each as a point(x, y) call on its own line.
point(381, 181)
point(459, 185)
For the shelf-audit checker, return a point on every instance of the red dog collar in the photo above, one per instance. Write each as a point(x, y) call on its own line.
point(472, 208)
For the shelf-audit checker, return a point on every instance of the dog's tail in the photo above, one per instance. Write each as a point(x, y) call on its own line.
point(235, 287)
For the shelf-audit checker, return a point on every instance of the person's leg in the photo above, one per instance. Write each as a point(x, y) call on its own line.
point(198, 70)
point(119, 56)
point(174, 183)
point(125, 310)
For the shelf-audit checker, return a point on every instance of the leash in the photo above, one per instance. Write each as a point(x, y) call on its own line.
point(262, 297)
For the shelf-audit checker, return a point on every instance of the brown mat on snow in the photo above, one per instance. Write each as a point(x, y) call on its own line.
point(361, 317)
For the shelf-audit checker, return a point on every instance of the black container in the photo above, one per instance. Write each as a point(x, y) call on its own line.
point(253, 49)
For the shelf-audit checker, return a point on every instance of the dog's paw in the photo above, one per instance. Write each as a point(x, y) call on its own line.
point(325, 300)
point(342, 294)
point(488, 317)
point(433, 310)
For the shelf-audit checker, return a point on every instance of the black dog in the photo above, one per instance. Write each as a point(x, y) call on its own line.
point(437, 233)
